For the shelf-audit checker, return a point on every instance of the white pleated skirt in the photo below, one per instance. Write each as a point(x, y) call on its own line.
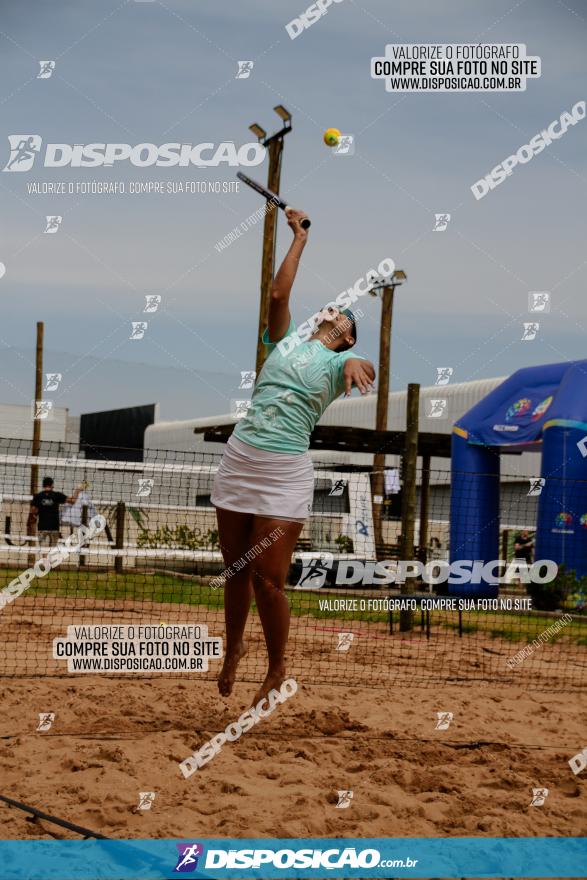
point(274, 484)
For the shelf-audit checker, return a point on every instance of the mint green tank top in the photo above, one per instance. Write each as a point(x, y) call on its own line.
point(294, 388)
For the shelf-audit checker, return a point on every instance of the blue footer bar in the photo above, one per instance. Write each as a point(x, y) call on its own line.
point(294, 857)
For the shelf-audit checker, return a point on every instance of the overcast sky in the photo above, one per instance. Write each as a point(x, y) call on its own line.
point(159, 72)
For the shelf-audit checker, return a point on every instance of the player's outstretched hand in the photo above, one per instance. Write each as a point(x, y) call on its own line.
point(359, 373)
point(294, 219)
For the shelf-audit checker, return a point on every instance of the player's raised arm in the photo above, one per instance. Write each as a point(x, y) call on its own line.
point(73, 498)
point(279, 314)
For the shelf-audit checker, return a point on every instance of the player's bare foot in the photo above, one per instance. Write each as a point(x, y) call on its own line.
point(273, 681)
point(227, 674)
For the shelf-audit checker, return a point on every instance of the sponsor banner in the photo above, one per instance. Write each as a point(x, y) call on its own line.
point(315, 857)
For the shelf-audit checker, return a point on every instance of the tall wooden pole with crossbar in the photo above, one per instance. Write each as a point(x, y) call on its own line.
point(382, 412)
point(386, 288)
point(274, 145)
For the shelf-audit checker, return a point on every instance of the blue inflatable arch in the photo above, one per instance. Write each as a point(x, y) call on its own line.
point(541, 409)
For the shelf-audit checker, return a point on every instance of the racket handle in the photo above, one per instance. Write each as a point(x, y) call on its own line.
point(305, 223)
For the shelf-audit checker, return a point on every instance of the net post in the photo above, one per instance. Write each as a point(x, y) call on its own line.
point(406, 621)
point(424, 508)
point(36, 444)
point(119, 540)
point(84, 522)
point(505, 536)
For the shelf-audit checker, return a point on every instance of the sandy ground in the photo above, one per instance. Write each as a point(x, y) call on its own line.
point(112, 739)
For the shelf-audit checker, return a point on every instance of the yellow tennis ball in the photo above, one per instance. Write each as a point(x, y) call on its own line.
point(331, 137)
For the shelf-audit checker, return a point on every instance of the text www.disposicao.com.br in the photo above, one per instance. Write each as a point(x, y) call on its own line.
point(135, 664)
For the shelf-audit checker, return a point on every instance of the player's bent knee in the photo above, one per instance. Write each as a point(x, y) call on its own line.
point(266, 579)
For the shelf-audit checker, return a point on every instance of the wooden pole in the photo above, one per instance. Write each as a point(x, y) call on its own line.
point(504, 544)
point(36, 445)
point(424, 507)
point(382, 412)
point(409, 492)
point(84, 522)
point(38, 395)
point(119, 535)
point(275, 150)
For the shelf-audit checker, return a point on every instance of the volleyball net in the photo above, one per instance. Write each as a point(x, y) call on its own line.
point(134, 584)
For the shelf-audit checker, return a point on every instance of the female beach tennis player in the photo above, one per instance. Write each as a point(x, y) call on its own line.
point(265, 483)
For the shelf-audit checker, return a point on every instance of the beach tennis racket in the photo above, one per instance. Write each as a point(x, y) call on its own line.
point(270, 196)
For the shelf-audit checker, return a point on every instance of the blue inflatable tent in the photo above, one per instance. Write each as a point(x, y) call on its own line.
point(541, 409)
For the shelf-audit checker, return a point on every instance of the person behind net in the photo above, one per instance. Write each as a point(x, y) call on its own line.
point(45, 511)
point(435, 549)
point(524, 546)
point(264, 487)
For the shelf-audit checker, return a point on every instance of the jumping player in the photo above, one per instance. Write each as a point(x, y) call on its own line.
point(265, 482)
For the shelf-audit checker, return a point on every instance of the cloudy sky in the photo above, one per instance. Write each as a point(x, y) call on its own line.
point(158, 72)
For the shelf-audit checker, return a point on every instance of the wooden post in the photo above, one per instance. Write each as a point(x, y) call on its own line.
point(504, 544)
point(409, 492)
point(382, 412)
point(36, 446)
point(119, 539)
point(38, 395)
point(424, 507)
point(82, 558)
point(275, 150)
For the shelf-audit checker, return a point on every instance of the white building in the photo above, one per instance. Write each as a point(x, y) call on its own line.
point(16, 423)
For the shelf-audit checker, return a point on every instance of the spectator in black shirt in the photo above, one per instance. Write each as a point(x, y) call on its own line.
point(45, 509)
point(524, 546)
